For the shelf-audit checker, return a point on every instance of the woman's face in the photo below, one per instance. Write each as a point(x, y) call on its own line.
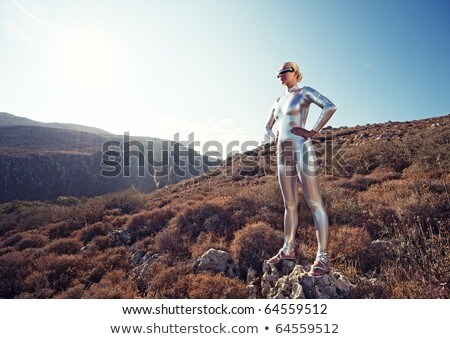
point(287, 75)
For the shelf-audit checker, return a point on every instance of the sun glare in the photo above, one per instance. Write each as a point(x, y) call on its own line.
point(86, 61)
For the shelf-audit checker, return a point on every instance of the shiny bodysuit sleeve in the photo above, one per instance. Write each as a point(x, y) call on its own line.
point(328, 108)
point(269, 124)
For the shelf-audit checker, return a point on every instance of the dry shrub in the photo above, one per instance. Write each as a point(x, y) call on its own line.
point(358, 182)
point(205, 241)
point(148, 223)
point(254, 243)
point(209, 286)
point(62, 229)
point(145, 245)
point(102, 242)
point(403, 201)
point(219, 224)
point(14, 267)
point(74, 292)
point(408, 289)
point(190, 221)
point(430, 148)
point(115, 258)
point(343, 205)
point(5, 250)
point(268, 194)
point(348, 243)
point(160, 280)
point(97, 264)
point(265, 214)
point(31, 239)
point(383, 173)
point(11, 240)
point(127, 201)
point(89, 212)
point(243, 206)
point(37, 286)
point(424, 249)
point(172, 242)
point(89, 232)
point(60, 271)
point(94, 209)
point(114, 285)
point(64, 246)
point(117, 221)
point(29, 215)
point(399, 284)
point(45, 293)
point(362, 159)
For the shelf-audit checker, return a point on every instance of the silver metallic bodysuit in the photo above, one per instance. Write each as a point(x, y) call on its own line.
point(296, 158)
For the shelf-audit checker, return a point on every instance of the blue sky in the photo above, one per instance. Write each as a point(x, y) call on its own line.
point(156, 68)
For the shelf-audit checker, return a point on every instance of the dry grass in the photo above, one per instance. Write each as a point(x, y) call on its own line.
point(210, 286)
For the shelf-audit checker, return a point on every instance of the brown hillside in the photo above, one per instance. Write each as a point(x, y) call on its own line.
point(385, 187)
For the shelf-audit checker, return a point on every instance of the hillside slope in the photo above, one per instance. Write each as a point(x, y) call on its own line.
point(386, 195)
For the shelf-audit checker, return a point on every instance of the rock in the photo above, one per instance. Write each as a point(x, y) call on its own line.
point(123, 238)
point(382, 248)
point(253, 291)
point(363, 136)
point(136, 258)
point(251, 275)
point(299, 284)
point(271, 274)
point(217, 261)
point(147, 260)
point(385, 135)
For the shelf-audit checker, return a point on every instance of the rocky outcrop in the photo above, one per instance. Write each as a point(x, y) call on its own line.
point(290, 281)
point(217, 261)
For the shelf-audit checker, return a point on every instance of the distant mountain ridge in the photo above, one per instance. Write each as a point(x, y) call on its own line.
point(42, 161)
point(7, 119)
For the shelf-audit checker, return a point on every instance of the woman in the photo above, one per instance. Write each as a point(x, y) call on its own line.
point(296, 158)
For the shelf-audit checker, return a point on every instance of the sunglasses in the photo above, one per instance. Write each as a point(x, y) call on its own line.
point(285, 70)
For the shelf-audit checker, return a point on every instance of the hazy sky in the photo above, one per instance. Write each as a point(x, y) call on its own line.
point(155, 68)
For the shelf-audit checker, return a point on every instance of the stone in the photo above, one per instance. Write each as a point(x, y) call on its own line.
point(298, 283)
point(251, 275)
point(382, 248)
point(253, 291)
point(385, 135)
point(122, 238)
point(147, 260)
point(217, 261)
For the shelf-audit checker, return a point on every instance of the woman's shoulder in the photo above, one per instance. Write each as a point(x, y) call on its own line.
point(307, 89)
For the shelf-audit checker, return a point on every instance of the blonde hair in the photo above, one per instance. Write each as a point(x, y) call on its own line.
point(295, 67)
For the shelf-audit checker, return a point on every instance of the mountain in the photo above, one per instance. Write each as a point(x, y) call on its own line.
point(44, 161)
point(385, 188)
point(7, 119)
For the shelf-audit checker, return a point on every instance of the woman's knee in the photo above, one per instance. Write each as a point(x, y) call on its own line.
point(290, 205)
point(316, 206)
